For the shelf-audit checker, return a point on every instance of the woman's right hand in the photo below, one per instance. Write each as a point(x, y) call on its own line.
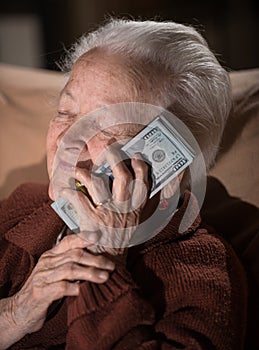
point(52, 278)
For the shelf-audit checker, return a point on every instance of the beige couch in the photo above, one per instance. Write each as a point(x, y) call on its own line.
point(28, 98)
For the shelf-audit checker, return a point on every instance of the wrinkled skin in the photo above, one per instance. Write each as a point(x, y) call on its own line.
point(94, 82)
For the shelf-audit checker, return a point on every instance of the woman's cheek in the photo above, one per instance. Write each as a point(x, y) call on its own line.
point(55, 133)
point(96, 149)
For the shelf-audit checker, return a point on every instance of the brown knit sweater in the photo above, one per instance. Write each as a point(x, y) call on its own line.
point(177, 291)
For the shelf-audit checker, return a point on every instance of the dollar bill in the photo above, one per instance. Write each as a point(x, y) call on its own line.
point(160, 145)
point(67, 213)
point(163, 148)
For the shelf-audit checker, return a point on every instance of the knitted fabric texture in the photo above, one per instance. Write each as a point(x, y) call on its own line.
point(176, 291)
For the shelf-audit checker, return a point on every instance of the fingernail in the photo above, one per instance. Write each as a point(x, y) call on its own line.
point(110, 266)
point(137, 156)
point(92, 237)
point(103, 275)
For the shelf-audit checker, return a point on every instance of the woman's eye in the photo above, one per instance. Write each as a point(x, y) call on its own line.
point(65, 115)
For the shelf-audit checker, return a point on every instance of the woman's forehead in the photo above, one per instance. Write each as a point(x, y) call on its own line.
point(96, 84)
point(100, 61)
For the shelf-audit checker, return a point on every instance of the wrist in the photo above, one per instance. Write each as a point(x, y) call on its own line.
point(8, 324)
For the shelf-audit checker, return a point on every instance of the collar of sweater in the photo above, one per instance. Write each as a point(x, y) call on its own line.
point(184, 222)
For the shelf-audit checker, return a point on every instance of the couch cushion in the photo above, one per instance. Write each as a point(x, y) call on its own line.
point(27, 98)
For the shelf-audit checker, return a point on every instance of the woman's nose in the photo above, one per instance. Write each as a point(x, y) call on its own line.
point(96, 150)
point(61, 135)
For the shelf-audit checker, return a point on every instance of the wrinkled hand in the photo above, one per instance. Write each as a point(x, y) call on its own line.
point(112, 215)
point(53, 278)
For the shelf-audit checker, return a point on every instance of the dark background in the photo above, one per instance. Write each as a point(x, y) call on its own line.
point(230, 26)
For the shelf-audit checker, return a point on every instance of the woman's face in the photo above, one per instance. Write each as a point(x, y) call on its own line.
point(95, 81)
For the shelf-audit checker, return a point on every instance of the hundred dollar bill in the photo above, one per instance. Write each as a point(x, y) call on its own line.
point(163, 148)
point(67, 213)
point(160, 145)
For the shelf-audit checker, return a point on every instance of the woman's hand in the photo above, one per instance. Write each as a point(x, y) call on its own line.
point(111, 214)
point(53, 277)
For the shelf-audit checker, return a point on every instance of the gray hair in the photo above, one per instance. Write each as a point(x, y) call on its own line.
point(191, 83)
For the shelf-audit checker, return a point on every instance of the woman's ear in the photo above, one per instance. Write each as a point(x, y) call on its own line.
point(170, 189)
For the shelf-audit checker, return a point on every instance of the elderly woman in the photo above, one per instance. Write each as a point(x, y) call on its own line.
point(177, 290)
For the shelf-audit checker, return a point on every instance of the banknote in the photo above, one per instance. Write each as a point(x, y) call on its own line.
point(67, 213)
point(160, 145)
point(163, 148)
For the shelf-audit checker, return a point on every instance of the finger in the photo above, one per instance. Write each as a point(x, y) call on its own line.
point(172, 187)
point(122, 175)
point(77, 198)
point(141, 168)
point(83, 175)
point(141, 183)
point(81, 257)
point(90, 236)
point(55, 291)
point(97, 186)
point(84, 209)
point(72, 272)
point(68, 243)
point(62, 288)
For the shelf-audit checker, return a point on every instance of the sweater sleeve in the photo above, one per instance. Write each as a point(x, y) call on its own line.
point(187, 294)
point(16, 262)
point(16, 266)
